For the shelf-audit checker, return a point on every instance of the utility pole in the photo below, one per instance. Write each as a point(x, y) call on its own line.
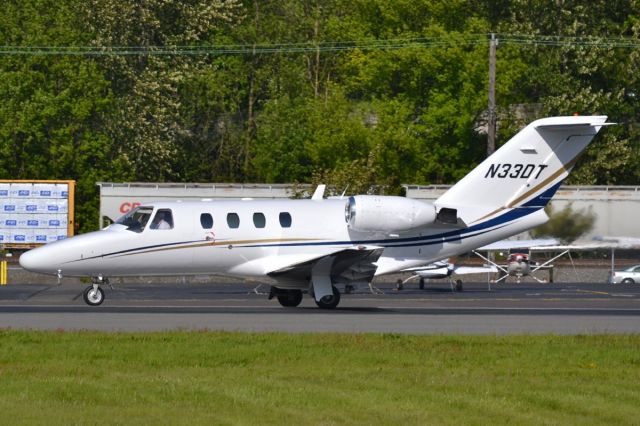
point(491, 122)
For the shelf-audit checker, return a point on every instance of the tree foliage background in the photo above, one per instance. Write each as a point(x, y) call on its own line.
point(566, 225)
point(359, 116)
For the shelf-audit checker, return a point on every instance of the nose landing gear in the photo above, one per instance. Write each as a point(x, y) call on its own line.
point(94, 295)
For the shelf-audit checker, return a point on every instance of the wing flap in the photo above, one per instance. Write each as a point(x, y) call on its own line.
point(349, 264)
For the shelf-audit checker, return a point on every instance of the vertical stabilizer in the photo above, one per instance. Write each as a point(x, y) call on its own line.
point(525, 172)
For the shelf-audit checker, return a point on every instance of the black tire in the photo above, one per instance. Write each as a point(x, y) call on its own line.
point(93, 298)
point(290, 298)
point(459, 285)
point(329, 302)
point(421, 285)
point(628, 281)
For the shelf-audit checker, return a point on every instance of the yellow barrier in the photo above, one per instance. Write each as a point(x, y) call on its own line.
point(3, 272)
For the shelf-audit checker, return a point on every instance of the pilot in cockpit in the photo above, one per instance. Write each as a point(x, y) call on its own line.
point(163, 220)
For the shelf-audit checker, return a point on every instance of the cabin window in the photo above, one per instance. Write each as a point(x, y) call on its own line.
point(206, 221)
point(136, 219)
point(285, 220)
point(162, 220)
point(233, 220)
point(259, 220)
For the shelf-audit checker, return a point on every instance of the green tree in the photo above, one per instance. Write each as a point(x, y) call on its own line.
point(52, 114)
point(146, 120)
point(580, 77)
point(565, 225)
point(367, 116)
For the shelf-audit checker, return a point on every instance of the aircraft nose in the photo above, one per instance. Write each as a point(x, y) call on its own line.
point(36, 260)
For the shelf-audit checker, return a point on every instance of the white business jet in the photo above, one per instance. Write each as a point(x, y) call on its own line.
point(317, 243)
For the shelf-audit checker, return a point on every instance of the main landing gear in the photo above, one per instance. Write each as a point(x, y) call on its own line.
point(94, 295)
point(330, 301)
point(293, 298)
point(290, 298)
point(287, 298)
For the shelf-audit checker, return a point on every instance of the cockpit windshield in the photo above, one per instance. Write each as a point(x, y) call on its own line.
point(136, 219)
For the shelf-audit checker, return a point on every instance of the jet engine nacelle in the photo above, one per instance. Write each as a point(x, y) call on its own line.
point(387, 214)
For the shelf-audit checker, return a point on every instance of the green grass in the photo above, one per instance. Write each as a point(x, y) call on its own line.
point(235, 378)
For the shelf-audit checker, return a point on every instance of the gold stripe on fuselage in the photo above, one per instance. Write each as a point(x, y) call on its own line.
point(222, 243)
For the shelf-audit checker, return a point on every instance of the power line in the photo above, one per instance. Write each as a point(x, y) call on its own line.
point(239, 49)
point(568, 41)
point(329, 46)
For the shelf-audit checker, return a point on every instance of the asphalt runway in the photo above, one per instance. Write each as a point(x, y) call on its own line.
point(504, 309)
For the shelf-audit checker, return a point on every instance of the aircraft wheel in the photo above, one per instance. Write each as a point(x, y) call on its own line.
point(329, 302)
point(421, 285)
point(290, 298)
point(459, 285)
point(628, 281)
point(93, 296)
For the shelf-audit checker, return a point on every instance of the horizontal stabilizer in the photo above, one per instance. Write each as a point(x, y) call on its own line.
point(583, 125)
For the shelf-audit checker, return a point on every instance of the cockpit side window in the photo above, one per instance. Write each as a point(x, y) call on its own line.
point(136, 219)
point(162, 220)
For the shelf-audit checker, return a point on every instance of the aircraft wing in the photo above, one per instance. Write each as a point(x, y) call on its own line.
point(465, 270)
point(350, 264)
point(551, 244)
point(618, 242)
point(441, 269)
point(585, 246)
point(429, 266)
point(514, 244)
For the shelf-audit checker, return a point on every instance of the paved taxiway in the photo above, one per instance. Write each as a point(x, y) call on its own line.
point(509, 308)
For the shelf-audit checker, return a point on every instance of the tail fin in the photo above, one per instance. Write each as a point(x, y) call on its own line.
point(525, 172)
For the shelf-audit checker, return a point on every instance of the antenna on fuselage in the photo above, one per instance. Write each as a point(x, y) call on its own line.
point(319, 192)
point(344, 192)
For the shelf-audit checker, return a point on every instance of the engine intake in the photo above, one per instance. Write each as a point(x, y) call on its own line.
point(387, 214)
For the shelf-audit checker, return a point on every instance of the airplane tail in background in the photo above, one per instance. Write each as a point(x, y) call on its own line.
point(524, 173)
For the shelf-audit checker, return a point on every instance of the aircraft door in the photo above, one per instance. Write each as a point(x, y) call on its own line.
point(167, 240)
point(203, 255)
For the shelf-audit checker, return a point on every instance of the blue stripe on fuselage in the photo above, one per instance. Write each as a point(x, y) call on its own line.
point(459, 234)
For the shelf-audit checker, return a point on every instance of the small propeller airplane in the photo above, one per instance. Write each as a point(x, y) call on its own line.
point(318, 244)
point(441, 270)
point(518, 264)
